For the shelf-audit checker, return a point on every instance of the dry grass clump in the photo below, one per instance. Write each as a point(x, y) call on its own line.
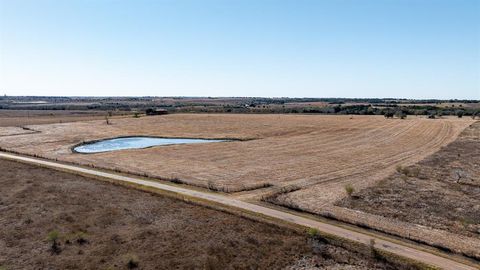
point(349, 189)
point(411, 171)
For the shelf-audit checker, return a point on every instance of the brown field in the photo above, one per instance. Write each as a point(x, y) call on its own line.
point(279, 150)
point(299, 161)
point(440, 192)
point(435, 201)
point(103, 226)
point(18, 118)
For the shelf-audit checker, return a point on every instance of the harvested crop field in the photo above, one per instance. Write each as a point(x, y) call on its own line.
point(440, 192)
point(435, 201)
point(20, 118)
point(278, 150)
point(104, 226)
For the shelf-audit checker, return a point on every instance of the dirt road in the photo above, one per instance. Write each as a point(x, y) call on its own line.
point(380, 243)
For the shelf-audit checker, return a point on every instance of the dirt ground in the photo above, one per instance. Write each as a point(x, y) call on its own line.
point(442, 191)
point(103, 226)
point(277, 150)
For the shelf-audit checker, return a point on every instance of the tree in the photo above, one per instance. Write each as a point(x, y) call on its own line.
point(401, 114)
point(388, 114)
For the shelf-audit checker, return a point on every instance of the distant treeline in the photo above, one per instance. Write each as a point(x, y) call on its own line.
point(405, 110)
point(357, 106)
point(337, 109)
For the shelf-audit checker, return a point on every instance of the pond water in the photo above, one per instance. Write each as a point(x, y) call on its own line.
point(134, 143)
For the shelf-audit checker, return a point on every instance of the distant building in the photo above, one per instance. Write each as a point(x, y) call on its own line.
point(152, 111)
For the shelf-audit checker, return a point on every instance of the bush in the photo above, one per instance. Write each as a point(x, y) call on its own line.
point(312, 232)
point(408, 171)
point(401, 114)
point(212, 186)
point(349, 189)
point(81, 238)
point(414, 172)
point(388, 115)
point(52, 237)
point(460, 114)
point(132, 262)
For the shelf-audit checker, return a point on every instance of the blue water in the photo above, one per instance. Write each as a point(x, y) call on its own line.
point(134, 143)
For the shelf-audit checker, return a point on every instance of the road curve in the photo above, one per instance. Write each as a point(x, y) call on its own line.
point(381, 244)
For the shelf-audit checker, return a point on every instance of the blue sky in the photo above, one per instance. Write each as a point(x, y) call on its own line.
point(271, 48)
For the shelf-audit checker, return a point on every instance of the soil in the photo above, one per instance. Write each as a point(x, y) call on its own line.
point(442, 191)
point(104, 226)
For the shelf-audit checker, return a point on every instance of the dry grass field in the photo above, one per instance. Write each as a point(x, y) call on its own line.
point(18, 118)
point(103, 226)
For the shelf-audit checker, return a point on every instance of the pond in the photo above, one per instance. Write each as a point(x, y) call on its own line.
point(134, 143)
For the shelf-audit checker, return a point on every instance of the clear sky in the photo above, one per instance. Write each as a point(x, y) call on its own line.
point(270, 48)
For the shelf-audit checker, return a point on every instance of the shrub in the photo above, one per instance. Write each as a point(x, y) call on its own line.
point(81, 238)
point(372, 243)
point(52, 237)
point(389, 115)
point(460, 114)
point(212, 186)
point(414, 172)
point(399, 168)
point(349, 189)
point(312, 232)
point(132, 262)
point(178, 181)
point(401, 114)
